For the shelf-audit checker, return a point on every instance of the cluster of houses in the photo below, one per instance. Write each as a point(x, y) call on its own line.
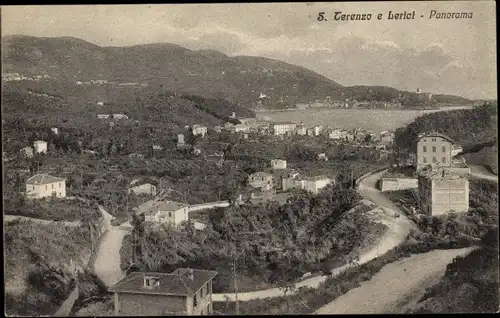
point(346, 103)
point(10, 77)
point(106, 82)
point(112, 116)
point(265, 183)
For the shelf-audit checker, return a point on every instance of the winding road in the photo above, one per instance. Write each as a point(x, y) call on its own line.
point(397, 287)
point(107, 261)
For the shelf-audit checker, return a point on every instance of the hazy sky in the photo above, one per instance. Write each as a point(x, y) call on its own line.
point(441, 56)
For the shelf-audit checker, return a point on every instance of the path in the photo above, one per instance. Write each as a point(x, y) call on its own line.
point(397, 286)
point(481, 172)
point(398, 229)
point(107, 262)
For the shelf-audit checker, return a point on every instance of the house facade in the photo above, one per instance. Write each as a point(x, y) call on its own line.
point(199, 130)
point(311, 184)
point(185, 291)
point(277, 164)
point(27, 152)
point(335, 134)
point(146, 188)
point(387, 137)
point(40, 146)
point(170, 212)
point(261, 180)
point(441, 192)
point(434, 149)
point(43, 186)
point(283, 128)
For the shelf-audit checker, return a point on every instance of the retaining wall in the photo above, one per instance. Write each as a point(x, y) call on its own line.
point(209, 205)
point(394, 184)
point(66, 307)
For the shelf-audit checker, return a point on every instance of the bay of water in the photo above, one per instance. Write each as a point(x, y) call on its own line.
point(376, 120)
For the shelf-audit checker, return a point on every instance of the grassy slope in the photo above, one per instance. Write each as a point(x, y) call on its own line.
point(50, 246)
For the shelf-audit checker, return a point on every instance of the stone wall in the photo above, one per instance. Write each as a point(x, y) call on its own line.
point(395, 184)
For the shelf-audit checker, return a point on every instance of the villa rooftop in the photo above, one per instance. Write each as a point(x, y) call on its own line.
point(177, 282)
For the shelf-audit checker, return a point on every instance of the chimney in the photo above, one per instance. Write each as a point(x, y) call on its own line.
point(191, 274)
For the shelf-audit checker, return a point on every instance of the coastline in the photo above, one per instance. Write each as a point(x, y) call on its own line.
point(442, 108)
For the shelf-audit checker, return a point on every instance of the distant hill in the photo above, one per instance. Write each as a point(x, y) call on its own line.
point(243, 80)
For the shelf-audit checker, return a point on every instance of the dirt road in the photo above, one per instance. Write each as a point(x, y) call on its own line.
point(397, 286)
point(107, 262)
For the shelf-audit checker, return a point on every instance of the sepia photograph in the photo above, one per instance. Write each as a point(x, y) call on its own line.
point(264, 158)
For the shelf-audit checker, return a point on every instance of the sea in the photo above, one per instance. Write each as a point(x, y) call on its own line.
point(375, 120)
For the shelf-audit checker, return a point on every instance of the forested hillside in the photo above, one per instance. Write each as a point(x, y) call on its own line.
point(467, 127)
point(249, 80)
point(276, 243)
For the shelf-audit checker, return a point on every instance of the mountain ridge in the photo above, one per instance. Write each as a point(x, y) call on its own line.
point(239, 79)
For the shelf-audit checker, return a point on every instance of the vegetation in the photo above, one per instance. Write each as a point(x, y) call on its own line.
point(470, 284)
point(467, 127)
point(473, 278)
point(205, 72)
point(275, 243)
point(39, 264)
point(53, 209)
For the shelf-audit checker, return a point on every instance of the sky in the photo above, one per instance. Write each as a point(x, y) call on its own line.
point(445, 56)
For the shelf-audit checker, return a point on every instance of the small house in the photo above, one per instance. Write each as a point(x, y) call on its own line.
point(44, 185)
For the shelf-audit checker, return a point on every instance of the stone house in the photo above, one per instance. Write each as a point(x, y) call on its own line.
point(277, 164)
point(311, 184)
point(40, 146)
point(170, 212)
point(184, 291)
point(27, 152)
point(146, 188)
point(262, 180)
point(434, 149)
point(43, 185)
point(441, 192)
point(199, 130)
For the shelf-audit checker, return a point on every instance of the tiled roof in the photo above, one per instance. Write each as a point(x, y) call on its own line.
point(43, 179)
point(316, 178)
point(176, 283)
point(261, 174)
point(171, 206)
point(435, 134)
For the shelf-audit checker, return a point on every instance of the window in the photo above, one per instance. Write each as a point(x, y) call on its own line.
point(45, 187)
point(433, 139)
point(434, 160)
point(444, 148)
point(424, 149)
point(443, 160)
point(60, 184)
point(169, 214)
point(201, 291)
point(52, 186)
point(195, 301)
point(425, 159)
point(433, 148)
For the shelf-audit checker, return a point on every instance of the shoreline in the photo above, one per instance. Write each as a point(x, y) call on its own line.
point(442, 108)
